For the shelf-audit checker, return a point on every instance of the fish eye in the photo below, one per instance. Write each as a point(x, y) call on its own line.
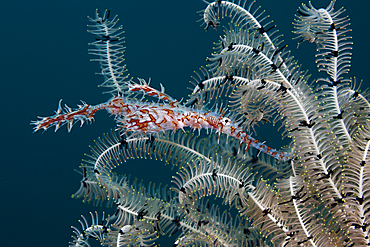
point(226, 121)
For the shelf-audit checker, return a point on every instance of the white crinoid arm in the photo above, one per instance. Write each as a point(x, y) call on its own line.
point(109, 49)
point(328, 29)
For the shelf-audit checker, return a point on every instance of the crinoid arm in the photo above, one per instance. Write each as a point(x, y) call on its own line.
point(109, 49)
point(333, 56)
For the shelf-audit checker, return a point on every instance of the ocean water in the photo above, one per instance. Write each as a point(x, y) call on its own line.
point(44, 58)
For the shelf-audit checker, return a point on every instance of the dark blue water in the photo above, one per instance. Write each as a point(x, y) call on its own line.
point(44, 58)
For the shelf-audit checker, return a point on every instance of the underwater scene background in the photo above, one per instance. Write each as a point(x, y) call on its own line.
point(45, 58)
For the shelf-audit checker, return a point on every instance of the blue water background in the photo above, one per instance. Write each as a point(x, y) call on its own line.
point(44, 58)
